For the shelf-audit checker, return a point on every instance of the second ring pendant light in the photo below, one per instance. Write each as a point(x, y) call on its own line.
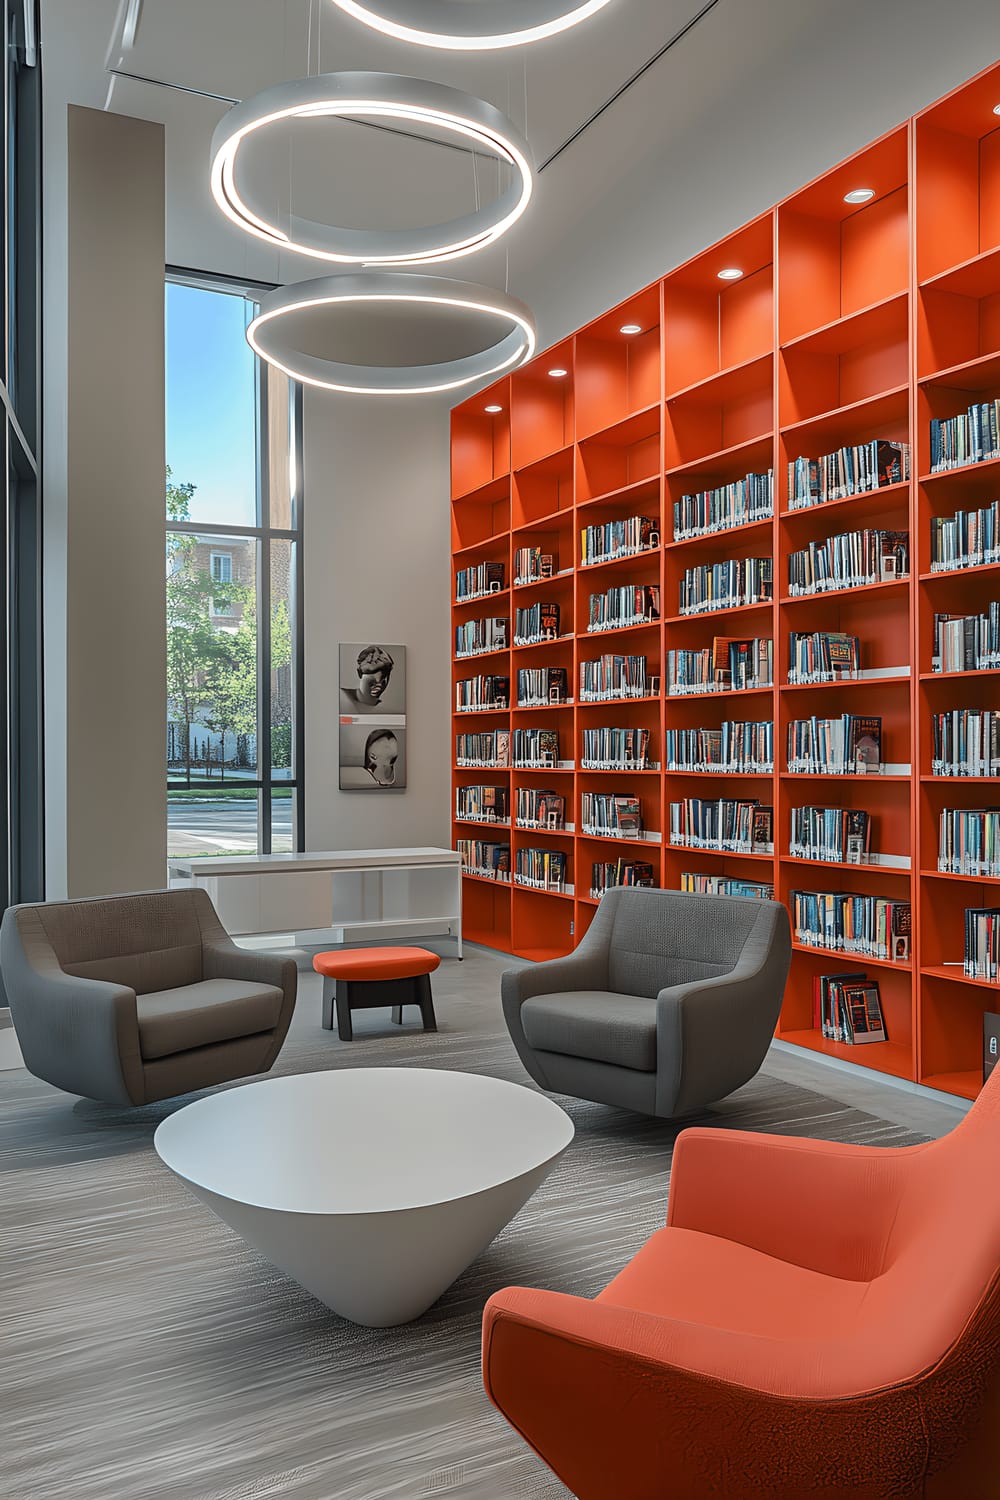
point(388, 96)
point(473, 25)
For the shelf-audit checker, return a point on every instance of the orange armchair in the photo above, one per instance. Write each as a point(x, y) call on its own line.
point(814, 1320)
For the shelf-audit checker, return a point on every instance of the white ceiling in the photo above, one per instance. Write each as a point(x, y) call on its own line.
point(759, 96)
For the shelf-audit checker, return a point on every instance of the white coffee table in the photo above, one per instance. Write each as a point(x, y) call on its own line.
point(374, 1188)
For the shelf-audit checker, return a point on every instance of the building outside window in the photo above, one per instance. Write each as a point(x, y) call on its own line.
point(233, 560)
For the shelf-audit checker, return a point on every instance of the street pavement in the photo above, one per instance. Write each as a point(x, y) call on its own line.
point(207, 826)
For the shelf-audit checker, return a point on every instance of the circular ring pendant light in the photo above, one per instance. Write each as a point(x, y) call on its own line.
point(267, 336)
point(386, 96)
point(487, 24)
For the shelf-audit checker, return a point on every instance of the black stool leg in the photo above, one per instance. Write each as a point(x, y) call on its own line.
point(329, 987)
point(407, 987)
point(344, 1028)
point(425, 1000)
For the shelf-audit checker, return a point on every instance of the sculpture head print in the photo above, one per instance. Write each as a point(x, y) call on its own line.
point(381, 754)
point(374, 670)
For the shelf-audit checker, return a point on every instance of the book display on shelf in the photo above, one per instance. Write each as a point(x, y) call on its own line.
point(730, 506)
point(847, 472)
point(801, 465)
point(482, 804)
point(606, 875)
point(967, 643)
point(850, 1008)
point(982, 943)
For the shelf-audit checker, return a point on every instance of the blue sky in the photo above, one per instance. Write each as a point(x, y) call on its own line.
point(210, 403)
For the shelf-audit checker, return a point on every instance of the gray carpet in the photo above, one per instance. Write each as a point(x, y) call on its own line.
point(149, 1355)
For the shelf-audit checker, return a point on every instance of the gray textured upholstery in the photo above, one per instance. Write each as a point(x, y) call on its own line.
point(581, 1023)
point(669, 1002)
point(134, 998)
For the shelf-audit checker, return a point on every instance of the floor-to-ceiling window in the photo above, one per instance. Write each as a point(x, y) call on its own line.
point(21, 877)
point(233, 561)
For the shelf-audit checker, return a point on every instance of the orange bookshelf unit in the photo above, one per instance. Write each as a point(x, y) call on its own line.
point(745, 512)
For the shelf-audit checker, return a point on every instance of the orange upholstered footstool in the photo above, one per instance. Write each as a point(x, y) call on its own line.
point(361, 978)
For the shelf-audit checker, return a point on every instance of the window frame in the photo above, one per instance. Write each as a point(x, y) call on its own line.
point(263, 536)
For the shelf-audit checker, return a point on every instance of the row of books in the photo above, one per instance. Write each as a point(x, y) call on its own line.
point(725, 585)
point(730, 664)
point(968, 539)
point(841, 835)
point(477, 693)
point(725, 885)
point(737, 746)
point(737, 504)
point(538, 686)
point(969, 438)
point(624, 538)
point(982, 943)
point(532, 563)
point(615, 749)
point(611, 676)
point(848, 746)
point(542, 869)
point(849, 560)
point(633, 604)
point(966, 742)
point(847, 1008)
point(606, 816)
point(482, 578)
point(540, 808)
point(535, 747)
point(737, 825)
point(969, 841)
point(606, 875)
point(482, 804)
point(488, 860)
point(967, 643)
point(822, 656)
point(869, 926)
point(536, 622)
point(490, 747)
point(849, 471)
point(475, 637)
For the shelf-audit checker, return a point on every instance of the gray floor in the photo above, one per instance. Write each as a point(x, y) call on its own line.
point(149, 1355)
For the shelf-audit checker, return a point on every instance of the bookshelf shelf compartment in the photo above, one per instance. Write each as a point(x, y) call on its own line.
point(845, 324)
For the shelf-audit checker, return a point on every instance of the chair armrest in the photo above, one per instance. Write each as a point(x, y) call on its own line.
point(581, 970)
point(82, 1035)
point(819, 1204)
point(713, 1034)
point(222, 959)
point(622, 1402)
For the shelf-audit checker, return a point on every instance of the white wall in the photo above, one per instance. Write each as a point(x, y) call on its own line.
point(376, 533)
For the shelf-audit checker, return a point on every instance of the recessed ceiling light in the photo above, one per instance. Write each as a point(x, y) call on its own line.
point(730, 273)
point(557, 374)
point(630, 328)
point(492, 410)
point(859, 195)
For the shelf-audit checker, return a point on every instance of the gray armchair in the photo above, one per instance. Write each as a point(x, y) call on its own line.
point(669, 1002)
point(129, 999)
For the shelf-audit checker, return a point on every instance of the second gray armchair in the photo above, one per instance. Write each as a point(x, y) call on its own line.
point(669, 1002)
point(129, 999)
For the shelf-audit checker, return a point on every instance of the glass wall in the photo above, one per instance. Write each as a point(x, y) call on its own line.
point(233, 566)
point(21, 876)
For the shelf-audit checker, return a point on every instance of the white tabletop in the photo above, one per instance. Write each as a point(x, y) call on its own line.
point(362, 1140)
point(329, 859)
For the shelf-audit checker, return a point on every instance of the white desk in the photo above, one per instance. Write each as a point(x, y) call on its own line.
point(336, 891)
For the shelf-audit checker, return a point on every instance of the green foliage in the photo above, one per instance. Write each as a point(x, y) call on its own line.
point(212, 673)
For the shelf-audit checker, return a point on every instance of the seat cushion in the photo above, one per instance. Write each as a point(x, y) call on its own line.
point(196, 1015)
point(598, 1024)
point(359, 964)
point(717, 1283)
